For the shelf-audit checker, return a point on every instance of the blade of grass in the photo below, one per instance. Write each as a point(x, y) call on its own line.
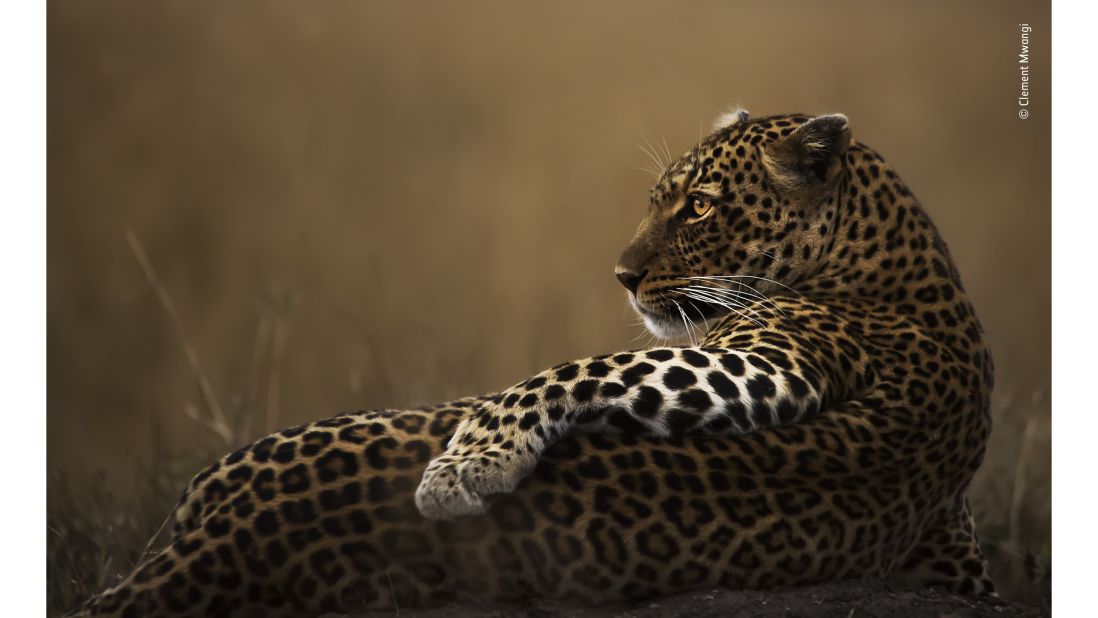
point(217, 421)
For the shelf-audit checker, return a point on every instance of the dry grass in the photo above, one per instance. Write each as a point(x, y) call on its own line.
point(95, 538)
point(1011, 498)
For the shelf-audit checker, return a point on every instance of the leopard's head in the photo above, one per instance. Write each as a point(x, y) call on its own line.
point(742, 215)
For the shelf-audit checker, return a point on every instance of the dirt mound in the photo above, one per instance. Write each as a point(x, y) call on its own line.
point(844, 600)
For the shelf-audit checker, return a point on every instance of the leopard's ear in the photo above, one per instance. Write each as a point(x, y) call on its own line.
point(811, 156)
point(728, 119)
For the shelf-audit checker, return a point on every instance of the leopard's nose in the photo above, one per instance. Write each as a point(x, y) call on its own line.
point(630, 279)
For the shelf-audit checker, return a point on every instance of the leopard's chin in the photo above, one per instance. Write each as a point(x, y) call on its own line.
point(666, 322)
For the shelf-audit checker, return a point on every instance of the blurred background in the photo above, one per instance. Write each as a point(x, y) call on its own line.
point(266, 213)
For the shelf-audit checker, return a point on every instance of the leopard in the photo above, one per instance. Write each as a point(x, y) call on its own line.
point(814, 411)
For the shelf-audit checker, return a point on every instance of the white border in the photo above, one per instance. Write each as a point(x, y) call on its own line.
point(23, 321)
point(1075, 303)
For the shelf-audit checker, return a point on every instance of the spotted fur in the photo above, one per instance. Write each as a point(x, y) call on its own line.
point(824, 423)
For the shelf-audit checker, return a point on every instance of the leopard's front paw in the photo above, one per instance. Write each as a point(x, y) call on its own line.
point(455, 485)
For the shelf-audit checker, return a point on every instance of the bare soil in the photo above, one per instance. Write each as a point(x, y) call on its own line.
point(843, 600)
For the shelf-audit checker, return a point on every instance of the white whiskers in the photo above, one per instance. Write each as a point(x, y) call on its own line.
point(735, 278)
point(767, 254)
point(654, 156)
point(743, 291)
point(666, 149)
point(686, 323)
point(714, 296)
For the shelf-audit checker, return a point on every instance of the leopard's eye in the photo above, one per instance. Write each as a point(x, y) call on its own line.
point(700, 204)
